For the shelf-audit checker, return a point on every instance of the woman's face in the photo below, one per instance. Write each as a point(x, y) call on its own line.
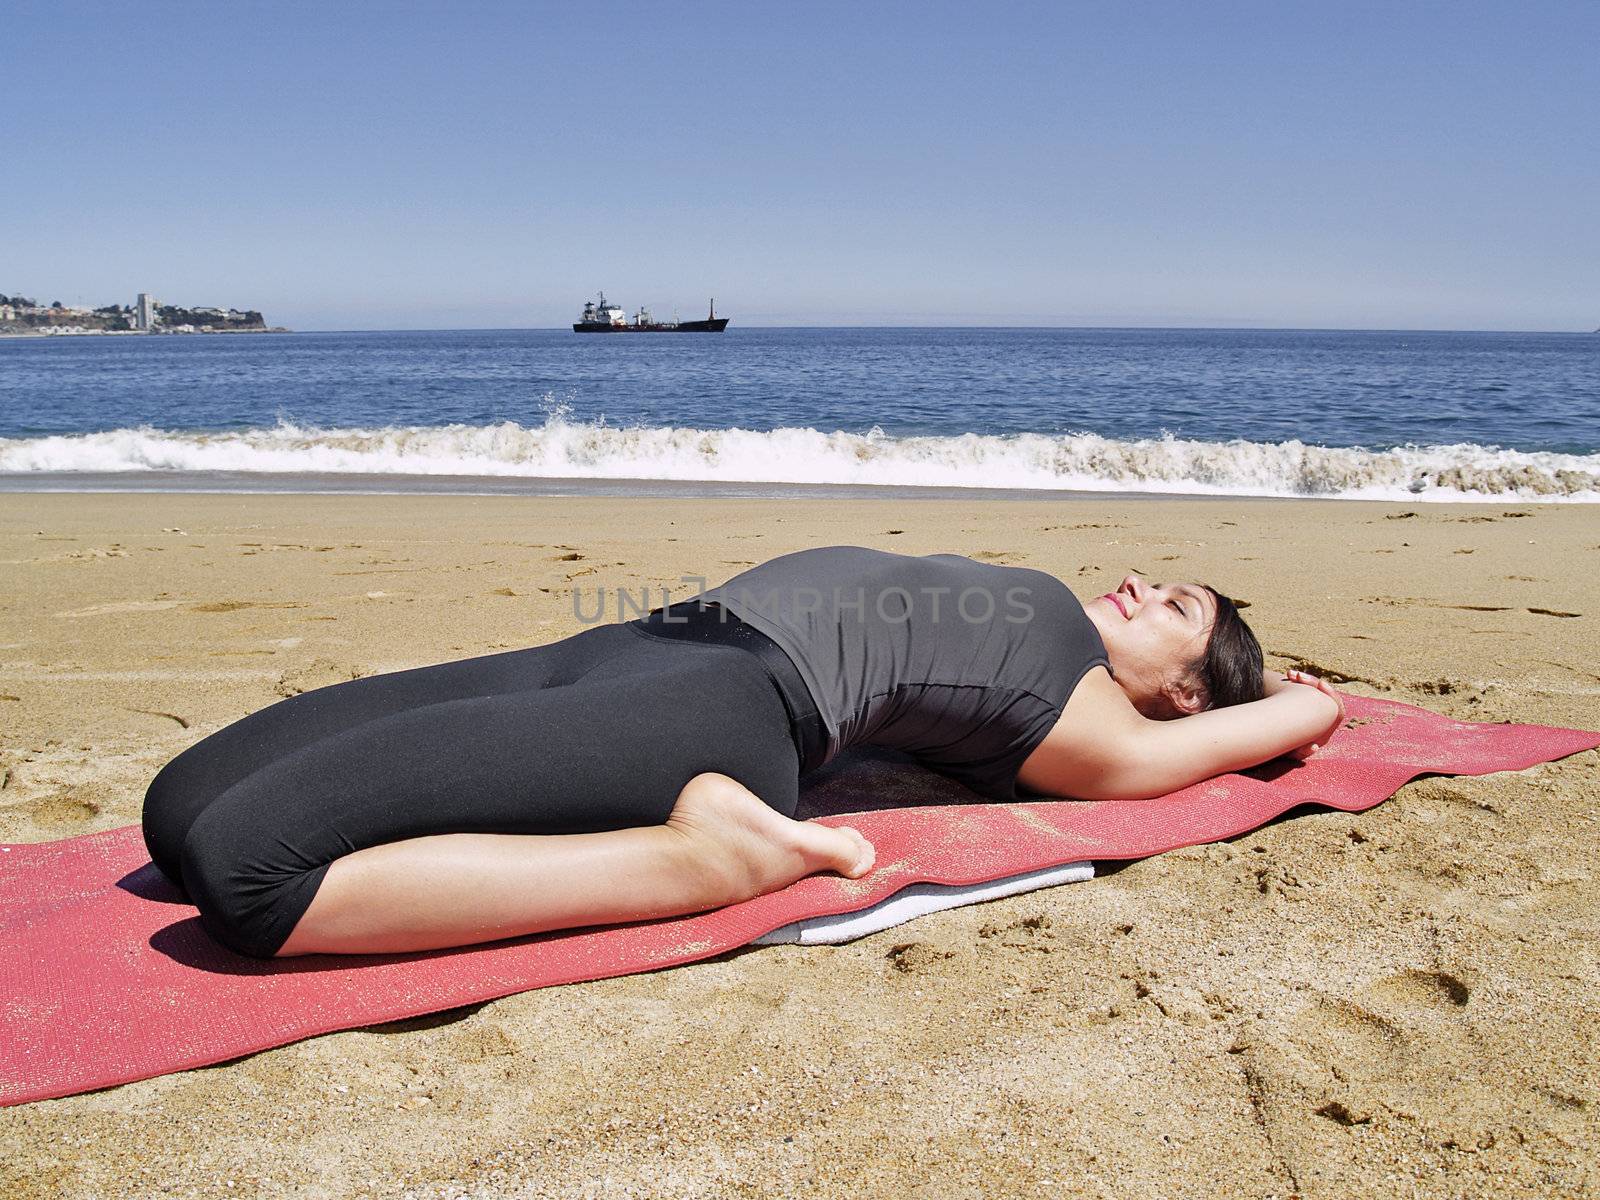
point(1152, 632)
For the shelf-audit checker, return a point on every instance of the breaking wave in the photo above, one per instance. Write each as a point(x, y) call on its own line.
point(559, 448)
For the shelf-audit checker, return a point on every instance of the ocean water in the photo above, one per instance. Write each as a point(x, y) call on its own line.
point(1466, 416)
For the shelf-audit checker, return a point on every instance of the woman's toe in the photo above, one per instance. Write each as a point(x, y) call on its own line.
point(861, 855)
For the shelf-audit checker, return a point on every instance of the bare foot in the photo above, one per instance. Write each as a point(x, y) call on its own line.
point(756, 849)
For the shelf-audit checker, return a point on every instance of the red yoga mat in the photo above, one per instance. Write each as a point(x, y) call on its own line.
point(108, 976)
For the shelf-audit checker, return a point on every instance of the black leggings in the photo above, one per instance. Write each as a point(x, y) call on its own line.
point(598, 731)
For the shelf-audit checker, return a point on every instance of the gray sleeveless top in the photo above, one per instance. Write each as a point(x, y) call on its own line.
point(964, 665)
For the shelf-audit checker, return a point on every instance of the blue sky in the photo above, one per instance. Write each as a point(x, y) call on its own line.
point(368, 166)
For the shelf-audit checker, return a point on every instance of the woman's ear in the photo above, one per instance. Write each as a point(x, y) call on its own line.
point(1187, 698)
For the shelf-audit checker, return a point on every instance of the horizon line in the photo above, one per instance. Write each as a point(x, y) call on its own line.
point(566, 327)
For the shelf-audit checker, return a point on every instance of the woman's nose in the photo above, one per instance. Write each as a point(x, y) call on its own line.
point(1135, 587)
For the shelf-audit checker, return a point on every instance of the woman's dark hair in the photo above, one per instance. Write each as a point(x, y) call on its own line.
point(1231, 667)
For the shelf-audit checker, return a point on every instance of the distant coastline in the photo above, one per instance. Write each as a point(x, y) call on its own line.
point(60, 332)
point(22, 316)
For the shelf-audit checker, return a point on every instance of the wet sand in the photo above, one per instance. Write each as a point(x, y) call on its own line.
point(1398, 1002)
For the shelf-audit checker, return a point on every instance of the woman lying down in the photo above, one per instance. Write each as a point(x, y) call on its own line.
point(651, 767)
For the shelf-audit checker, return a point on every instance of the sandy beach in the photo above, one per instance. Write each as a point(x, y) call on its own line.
point(1394, 1003)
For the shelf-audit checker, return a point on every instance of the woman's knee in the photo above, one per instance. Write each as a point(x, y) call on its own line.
point(249, 897)
point(172, 801)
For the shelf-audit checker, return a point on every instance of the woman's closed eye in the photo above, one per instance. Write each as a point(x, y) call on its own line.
point(1177, 604)
point(1196, 614)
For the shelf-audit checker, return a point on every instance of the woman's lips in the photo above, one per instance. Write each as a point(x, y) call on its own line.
point(1117, 600)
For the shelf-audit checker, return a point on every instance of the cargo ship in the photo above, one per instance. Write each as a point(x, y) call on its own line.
point(605, 317)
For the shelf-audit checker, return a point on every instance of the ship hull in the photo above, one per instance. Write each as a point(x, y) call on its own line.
point(714, 325)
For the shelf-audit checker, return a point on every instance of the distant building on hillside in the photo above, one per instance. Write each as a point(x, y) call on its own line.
point(144, 312)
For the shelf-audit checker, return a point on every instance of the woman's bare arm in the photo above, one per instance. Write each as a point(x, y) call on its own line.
point(1104, 749)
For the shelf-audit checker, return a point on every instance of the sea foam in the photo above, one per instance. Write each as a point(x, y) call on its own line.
point(559, 448)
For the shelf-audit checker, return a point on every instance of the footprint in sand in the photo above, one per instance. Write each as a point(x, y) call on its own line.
point(62, 809)
point(1429, 990)
point(1403, 1031)
point(1363, 1045)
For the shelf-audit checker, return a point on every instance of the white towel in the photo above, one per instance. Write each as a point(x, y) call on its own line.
point(913, 901)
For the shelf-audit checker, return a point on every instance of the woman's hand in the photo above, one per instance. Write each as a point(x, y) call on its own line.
point(1301, 753)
